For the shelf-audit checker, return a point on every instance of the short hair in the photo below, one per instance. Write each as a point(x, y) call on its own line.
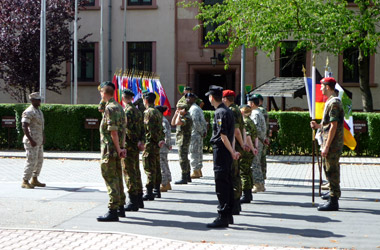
point(217, 98)
point(108, 90)
point(150, 99)
point(230, 98)
point(256, 101)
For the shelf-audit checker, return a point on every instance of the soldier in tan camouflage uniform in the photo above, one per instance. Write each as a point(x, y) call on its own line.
point(332, 145)
point(182, 120)
point(154, 140)
point(268, 134)
point(33, 127)
point(134, 142)
point(112, 139)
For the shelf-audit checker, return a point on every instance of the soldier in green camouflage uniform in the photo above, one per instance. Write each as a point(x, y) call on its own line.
point(240, 146)
point(332, 145)
point(134, 140)
point(139, 103)
point(182, 120)
point(247, 157)
point(112, 136)
point(154, 140)
point(263, 159)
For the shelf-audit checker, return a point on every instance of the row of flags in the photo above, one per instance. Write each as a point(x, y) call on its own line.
point(138, 85)
point(316, 102)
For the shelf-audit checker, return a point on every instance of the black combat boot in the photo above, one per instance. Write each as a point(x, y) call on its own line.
point(157, 191)
point(236, 208)
point(183, 180)
point(111, 215)
point(188, 177)
point(149, 196)
point(220, 221)
point(140, 200)
point(132, 205)
point(246, 197)
point(325, 196)
point(331, 205)
point(121, 211)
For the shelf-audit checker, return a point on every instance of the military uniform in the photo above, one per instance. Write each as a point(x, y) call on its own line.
point(183, 137)
point(154, 133)
point(165, 170)
point(34, 155)
point(182, 100)
point(113, 120)
point(247, 157)
point(239, 123)
point(259, 120)
point(333, 112)
point(263, 159)
point(140, 105)
point(198, 130)
point(135, 134)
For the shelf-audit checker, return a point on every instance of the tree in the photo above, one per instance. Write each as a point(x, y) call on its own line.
point(20, 45)
point(319, 25)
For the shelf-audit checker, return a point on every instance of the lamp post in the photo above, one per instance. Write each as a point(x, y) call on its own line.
point(214, 59)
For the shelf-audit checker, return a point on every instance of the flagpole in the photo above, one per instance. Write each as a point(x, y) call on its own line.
point(43, 51)
point(125, 36)
point(313, 77)
point(101, 41)
point(242, 83)
point(75, 73)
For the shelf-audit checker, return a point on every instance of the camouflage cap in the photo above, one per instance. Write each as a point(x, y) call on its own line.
point(182, 105)
point(35, 96)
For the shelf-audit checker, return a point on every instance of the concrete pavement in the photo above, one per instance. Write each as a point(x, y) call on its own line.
point(283, 216)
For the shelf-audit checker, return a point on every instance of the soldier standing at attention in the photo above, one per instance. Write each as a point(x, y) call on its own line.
point(223, 155)
point(186, 91)
point(266, 141)
point(154, 140)
point(164, 164)
point(332, 144)
point(239, 145)
point(198, 132)
point(182, 120)
point(259, 120)
point(112, 139)
point(34, 139)
point(247, 157)
point(134, 143)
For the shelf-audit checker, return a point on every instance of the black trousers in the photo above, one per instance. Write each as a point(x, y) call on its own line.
point(223, 179)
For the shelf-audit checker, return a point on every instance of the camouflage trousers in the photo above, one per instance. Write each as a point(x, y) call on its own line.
point(131, 170)
point(151, 163)
point(113, 177)
point(196, 151)
point(165, 170)
point(183, 151)
point(236, 180)
point(256, 166)
point(34, 160)
point(263, 161)
point(332, 169)
point(246, 171)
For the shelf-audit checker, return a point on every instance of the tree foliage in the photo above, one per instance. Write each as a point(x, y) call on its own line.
point(319, 25)
point(20, 45)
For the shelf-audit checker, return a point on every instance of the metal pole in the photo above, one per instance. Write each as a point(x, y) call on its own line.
point(43, 51)
point(75, 73)
point(109, 40)
point(242, 82)
point(101, 41)
point(125, 37)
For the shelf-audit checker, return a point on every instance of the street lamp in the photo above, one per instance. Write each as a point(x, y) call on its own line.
point(214, 59)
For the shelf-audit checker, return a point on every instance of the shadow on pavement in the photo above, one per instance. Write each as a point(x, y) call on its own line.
point(74, 190)
point(309, 218)
point(201, 214)
point(283, 203)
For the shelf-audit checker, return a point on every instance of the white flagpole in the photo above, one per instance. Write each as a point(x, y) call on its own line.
point(242, 74)
point(75, 73)
point(314, 78)
point(101, 42)
point(43, 51)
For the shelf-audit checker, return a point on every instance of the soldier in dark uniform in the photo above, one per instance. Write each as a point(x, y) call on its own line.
point(223, 155)
point(182, 120)
point(332, 144)
point(134, 142)
point(112, 137)
point(239, 145)
point(154, 140)
point(187, 90)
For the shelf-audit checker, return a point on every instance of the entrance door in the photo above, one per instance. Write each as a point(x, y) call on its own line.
point(204, 79)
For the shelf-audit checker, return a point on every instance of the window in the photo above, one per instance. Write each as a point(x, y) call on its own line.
point(350, 65)
point(139, 2)
point(87, 2)
point(86, 63)
point(140, 56)
point(291, 60)
point(211, 27)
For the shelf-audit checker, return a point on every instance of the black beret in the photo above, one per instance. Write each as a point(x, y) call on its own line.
point(107, 83)
point(128, 92)
point(191, 95)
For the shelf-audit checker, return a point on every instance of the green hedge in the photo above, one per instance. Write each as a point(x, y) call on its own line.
point(64, 130)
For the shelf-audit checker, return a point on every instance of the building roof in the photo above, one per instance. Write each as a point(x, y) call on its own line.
point(282, 87)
